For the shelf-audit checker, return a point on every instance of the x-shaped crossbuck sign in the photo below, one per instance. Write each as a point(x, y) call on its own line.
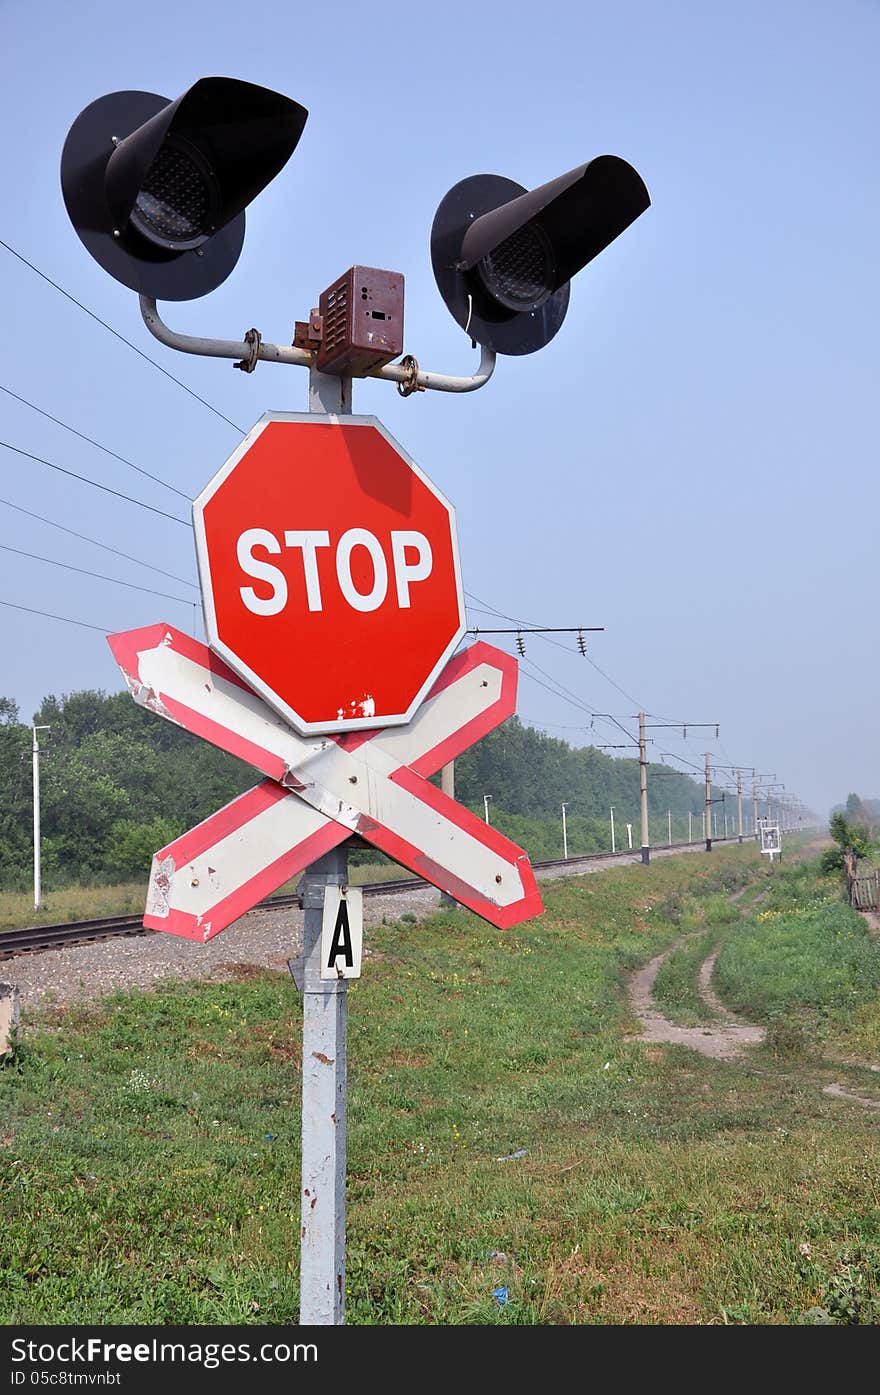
point(323, 789)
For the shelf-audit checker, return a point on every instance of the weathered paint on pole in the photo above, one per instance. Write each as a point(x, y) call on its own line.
point(324, 1054)
point(324, 1109)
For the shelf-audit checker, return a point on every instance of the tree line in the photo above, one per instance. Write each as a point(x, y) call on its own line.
point(117, 783)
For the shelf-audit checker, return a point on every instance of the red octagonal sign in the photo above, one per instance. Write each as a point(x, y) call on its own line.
point(329, 570)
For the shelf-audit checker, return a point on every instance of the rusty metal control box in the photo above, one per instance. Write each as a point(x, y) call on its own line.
point(361, 321)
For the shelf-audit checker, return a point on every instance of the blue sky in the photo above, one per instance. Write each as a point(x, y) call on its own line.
point(691, 463)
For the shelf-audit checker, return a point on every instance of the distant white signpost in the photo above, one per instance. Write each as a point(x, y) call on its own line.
point(771, 843)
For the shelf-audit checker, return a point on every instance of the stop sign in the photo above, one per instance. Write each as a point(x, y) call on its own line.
point(329, 571)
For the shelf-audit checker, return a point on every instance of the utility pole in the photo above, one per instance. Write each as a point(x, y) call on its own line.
point(486, 798)
point(643, 769)
point(708, 814)
point(35, 756)
point(643, 790)
point(739, 806)
point(669, 827)
point(564, 834)
point(613, 848)
point(690, 839)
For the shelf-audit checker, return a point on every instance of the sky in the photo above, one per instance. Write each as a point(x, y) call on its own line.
point(690, 464)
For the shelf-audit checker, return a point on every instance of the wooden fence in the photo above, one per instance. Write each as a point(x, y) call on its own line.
point(864, 892)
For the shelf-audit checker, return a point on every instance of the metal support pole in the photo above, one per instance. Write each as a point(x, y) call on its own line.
point(669, 828)
point(708, 815)
point(690, 839)
point(613, 848)
point(35, 760)
point(324, 1109)
point(643, 789)
point(324, 1052)
point(447, 785)
point(739, 806)
point(486, 798)
point(755, 808)
point(564, 834)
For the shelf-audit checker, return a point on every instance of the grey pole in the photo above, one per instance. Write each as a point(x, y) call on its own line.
point(739, 806)
point(669, 827)
point(324, 1052)
point(643, 789)
point(447, 785)
point(690, 839)
point(324, 1109)
point(35, 760)
point(564, 834)
point(708, 817)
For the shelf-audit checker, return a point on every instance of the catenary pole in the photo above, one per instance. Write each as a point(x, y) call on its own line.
point(708, 815)
point(643, 790)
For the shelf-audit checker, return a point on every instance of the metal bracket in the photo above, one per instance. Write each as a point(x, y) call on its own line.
point(253, 339)
point(408, 374)
point(410, 384)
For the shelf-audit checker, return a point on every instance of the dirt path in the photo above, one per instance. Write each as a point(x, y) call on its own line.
point(720, 1040)
point(724, 1040)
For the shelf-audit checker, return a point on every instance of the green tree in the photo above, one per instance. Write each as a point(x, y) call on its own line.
point(131, 845)
point(16, 836)
point(853, 841)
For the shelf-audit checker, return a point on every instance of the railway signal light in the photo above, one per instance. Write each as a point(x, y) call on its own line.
point(504, 256)
point(156, 189)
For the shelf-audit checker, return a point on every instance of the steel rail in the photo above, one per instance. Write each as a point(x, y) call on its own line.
point(59, 936)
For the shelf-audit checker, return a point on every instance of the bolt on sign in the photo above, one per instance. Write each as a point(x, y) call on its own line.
point(330, 571)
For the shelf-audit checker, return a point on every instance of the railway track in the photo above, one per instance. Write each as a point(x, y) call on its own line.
point(33, 938)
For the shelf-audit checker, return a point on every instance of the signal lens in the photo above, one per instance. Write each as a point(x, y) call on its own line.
point(178, 198)
point(519, 271)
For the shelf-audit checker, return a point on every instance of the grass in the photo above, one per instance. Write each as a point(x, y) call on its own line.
point(676, 990)
point(149, 1149)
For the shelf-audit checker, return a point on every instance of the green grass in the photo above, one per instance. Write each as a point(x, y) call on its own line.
point(149, 1147)
point(816, 960)
point(676, 990)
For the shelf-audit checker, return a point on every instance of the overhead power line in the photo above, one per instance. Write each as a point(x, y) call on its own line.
point(84, 479)
point(95, 543)
point(97, 444)
point(65, 619)
point(516, 621)
point(53, 562)
point(115, 332)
